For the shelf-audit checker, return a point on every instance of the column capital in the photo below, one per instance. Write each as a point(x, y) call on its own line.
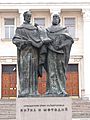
point(86, 14)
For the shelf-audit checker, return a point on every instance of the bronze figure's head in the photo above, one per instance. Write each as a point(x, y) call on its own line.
point(56, 19)
point(27, 16)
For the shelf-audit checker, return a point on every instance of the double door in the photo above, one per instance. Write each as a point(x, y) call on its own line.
point(9, 81)
point(72, 82)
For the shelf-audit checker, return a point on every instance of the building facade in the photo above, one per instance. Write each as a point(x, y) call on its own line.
point(75, 15)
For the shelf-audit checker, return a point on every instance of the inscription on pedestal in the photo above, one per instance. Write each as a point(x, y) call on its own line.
point(44, 108)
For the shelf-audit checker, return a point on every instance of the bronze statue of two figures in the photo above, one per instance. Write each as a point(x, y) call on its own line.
point(39, 48)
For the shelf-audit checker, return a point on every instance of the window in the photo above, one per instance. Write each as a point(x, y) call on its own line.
point(70, 24)
point(9, 27)
point(40, 21)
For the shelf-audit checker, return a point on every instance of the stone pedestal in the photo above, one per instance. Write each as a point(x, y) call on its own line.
point(44, 108)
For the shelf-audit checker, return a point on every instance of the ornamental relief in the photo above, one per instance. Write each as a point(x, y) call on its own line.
point(86, 13)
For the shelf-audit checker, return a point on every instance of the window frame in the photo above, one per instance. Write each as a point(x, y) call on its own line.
point(39, 18)
point(35, 16)
point(76, 38)
point(9, 28)
point(3, 25)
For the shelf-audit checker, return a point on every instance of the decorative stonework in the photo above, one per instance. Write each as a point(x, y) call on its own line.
point(75, 59)
point(8, 59)
point(86, 14)
point(55, 10)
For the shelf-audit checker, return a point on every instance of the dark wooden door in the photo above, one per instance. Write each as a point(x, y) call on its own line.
point(9, 81)
point(42, 83)
point(72, 82)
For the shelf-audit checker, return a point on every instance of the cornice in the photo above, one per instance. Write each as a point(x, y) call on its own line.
point(45, 2)
point(45, 5)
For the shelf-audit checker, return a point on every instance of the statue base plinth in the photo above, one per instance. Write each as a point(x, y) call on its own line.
point(44, 108)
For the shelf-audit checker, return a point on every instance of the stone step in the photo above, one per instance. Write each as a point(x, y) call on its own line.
point(80, 108)
point(7, 109)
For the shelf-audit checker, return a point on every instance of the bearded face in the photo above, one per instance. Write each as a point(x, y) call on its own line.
point(56, 20)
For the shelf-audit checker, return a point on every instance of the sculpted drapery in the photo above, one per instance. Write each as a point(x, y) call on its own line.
point(39, 47)
point(28, 39)
point(57, 58)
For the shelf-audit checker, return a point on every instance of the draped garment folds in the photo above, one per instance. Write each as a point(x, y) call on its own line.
point(57, 59)
point(27, 40)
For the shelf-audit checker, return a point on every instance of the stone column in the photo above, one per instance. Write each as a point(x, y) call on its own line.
point(21, 11)
point(86, 50)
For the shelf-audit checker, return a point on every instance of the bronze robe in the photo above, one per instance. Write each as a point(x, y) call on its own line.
point(27, 40)
point(57, 59)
